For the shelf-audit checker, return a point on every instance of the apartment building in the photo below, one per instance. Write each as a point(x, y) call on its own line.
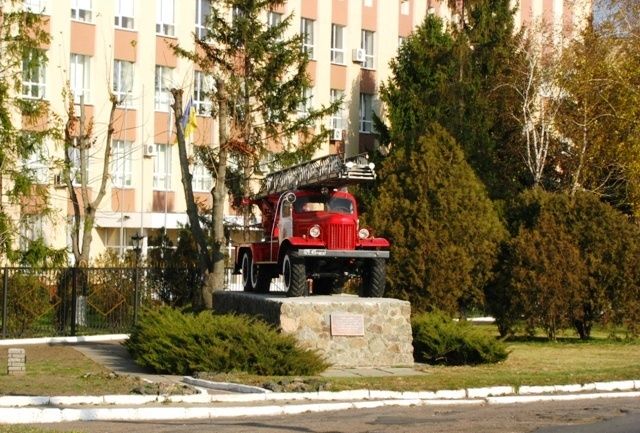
point(123, 46)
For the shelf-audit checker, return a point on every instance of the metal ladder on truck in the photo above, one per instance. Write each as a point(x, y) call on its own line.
point(329, 171)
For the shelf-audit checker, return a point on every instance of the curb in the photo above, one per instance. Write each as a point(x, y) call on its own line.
point(61, 340)
point(56, 415)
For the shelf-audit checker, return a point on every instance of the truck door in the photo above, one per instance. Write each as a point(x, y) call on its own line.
point(285, 225)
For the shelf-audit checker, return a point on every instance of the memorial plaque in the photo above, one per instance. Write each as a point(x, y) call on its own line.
point(347, 325)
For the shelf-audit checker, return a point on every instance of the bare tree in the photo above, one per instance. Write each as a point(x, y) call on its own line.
point(79, 141)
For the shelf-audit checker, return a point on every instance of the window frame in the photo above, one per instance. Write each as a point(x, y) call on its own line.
point(36, 6)
point(365, 113)
point(120, 91)
point(337, 119)
point(368, 44)
point(201, 178)
point(338, 55)
point(163, 27)
point(202, 18)
point(121, 19)
point(121, 164)
point(85, 80)
point(162, 167)
point(201, 91)
point(79, 13)
point(161, 95)
point(306, 103)
point(34, 79)
point(307, 30)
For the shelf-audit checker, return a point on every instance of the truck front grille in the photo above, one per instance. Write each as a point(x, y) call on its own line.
point(341, 237)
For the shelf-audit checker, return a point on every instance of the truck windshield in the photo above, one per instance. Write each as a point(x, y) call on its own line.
point(322, 203)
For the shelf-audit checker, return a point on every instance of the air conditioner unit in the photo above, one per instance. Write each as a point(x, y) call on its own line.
point(336, 135)
point(149, 150)
point(359, 55)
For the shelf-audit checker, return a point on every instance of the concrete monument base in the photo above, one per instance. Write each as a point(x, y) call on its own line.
point(347, 330)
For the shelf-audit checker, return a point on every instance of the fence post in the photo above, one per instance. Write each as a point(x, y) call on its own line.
point(5, 295)
point(136, 290)
point(74, 296)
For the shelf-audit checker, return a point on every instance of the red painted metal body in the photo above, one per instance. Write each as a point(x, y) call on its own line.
point(289, 225)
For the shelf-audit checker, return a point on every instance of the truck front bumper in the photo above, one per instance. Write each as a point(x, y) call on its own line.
point(351, 254)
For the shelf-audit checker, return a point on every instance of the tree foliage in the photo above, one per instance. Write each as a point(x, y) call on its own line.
point(261, 76)
point(451, 76)
point(444, 229)
point(22, 36)
point(568, 264)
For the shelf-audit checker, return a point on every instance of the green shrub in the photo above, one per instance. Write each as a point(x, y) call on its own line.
point(438, 339)
point(169, 341)
point(28, 301)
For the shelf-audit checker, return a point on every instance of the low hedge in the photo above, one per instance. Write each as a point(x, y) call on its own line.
point(438, 339)
point(169, 341)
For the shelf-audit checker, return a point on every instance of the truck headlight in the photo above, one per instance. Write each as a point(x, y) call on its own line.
point(314, 231)
point(363, 233)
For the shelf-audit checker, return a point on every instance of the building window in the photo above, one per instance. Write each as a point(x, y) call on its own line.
point(203, 10)
point(202, 88)
point(80, 75)
point(201, 180)
point(306, 103)
point(337, 44)
point(35, 6)
point(366, 113)
point(367, 44)
point(31, 230)
point(36, 167)
point(306, 30)
point(162, 168)
point(162, 93)
point(165, 17)
point(74, 165)
point(273, 19)
point(124, 14)
point(121, 164)
point(404, 7)
point(81, 10)
point(33, 75)
point(337, 118)
point(123, 81)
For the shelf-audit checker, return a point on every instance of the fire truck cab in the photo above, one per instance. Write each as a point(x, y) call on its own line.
point(312, 236)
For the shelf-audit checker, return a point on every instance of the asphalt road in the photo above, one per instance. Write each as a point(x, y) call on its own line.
point(588, 416)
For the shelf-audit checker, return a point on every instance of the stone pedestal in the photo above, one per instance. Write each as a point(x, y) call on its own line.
point(347, 330)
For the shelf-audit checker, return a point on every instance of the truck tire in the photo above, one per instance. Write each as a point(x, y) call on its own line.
point(373, 278)
point(260, 278)
point(245, 269)
point(294, 275)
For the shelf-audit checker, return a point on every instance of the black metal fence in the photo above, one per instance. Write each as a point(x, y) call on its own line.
point(87, 301)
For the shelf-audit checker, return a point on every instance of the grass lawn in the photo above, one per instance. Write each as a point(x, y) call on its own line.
point(61, 370)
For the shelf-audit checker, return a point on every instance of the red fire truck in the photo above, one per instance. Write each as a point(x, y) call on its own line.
point(311, 232)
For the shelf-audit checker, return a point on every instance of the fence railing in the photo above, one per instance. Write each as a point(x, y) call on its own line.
point(83, 301)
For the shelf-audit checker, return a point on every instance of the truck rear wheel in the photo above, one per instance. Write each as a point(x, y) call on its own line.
point(373, 278)
point(294, 275)
point(245, 268)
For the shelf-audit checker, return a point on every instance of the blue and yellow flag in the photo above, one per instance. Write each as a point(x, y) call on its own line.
point(188, 120)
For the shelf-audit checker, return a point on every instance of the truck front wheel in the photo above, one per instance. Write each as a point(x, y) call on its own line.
point(294, 275)
point(373, 278)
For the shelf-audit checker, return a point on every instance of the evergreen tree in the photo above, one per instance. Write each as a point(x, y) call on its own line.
point(261, 85)
point(452, 76)
point(443, 227)
point(21, 56)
